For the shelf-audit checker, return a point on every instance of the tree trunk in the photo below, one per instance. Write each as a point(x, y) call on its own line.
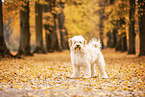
point(131, 49)
point(67, 43)
point(111, 1)
point(24, 48)
point(118, 45)
point(52, 41)
point(38, 26)
point(109, 41)
point(4, 52)
point(55, 43)
point(124, 42)
point(101, 31)
point(114, 38)
point(62, 27)
point(102, 5)
point(47, 27)
point(141, 18)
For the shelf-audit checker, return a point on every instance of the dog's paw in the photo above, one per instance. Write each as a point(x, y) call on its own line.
point(73, 77)
point(86, 76)
point(94, 76)
point(104, 77)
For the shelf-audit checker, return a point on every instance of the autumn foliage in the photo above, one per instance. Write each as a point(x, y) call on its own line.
point(48, 75)
point(91, 18)
point(119, 24)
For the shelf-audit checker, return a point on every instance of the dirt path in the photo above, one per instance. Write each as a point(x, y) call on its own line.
point(48, 76)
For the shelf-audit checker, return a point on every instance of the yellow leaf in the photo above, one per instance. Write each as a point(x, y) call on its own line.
point(17, 87)
point(33, 87)
point(46, 92)
point(29, 94)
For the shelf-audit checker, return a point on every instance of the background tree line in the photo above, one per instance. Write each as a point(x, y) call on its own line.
point(124, 20)
point(118, 24)
point(55, 31)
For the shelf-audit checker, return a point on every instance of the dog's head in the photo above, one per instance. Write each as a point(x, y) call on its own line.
point(77, 43)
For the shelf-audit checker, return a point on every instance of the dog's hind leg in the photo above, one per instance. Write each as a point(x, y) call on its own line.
point(101, 67)
point(76, 71)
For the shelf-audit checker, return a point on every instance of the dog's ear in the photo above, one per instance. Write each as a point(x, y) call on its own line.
point(85, 42)
point(70, 42)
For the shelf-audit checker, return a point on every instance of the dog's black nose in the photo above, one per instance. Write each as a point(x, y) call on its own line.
point(78, 45)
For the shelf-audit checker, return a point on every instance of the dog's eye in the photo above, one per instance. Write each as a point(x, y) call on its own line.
point(75, 42)
point(80, 42)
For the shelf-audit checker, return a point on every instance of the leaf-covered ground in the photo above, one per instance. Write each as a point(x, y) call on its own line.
point(47, 75)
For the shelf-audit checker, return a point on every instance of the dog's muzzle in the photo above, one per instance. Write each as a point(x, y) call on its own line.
point(77, 48)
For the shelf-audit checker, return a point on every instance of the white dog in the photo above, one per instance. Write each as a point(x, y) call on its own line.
point(86, 56)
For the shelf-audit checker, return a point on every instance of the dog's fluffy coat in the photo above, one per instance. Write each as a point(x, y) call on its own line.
point(86, 56)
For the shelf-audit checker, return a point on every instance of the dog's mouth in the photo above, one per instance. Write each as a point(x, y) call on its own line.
point(77, 48)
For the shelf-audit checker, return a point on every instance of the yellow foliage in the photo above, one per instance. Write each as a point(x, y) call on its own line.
point(81, 19)
point(116, 12)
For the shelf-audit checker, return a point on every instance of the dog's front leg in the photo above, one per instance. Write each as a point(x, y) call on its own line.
point(76, 71)
point(93, 71)
point(87, 71)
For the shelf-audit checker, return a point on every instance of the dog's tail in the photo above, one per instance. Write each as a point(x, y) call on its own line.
point(95, 43)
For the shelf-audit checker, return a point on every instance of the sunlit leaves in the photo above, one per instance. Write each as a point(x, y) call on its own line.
point(48, 19)
point(115, 13)
point(75, 2)
point(43, 2)
point(80, 15)
point(141, 10)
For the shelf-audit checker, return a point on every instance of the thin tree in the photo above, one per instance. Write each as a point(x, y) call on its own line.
point(111, 1)
point(123, 35)
point(102, 5)
point(101, 29)
point(52, 40)
point(115, 32)
point(112, 36)
point(131, 49)
point(38, 26)
point(61, 27)
point(4, 51)
point(121, 25)
point(141, 18)
point(24, 48)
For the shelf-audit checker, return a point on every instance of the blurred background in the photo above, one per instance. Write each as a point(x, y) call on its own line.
point(41, 26)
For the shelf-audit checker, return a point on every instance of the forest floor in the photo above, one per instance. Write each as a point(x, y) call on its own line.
point(47, 75)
